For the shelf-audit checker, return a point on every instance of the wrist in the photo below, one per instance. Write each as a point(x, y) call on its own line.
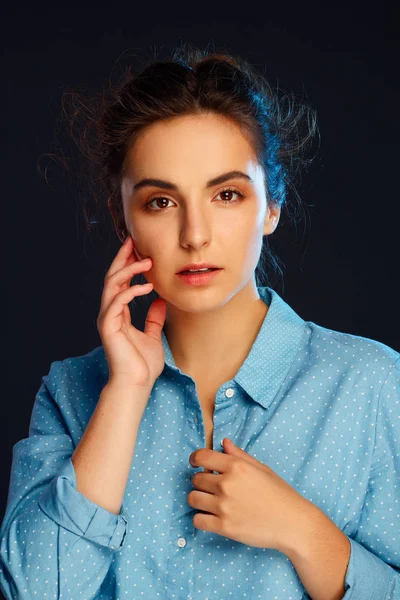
point(125, 384)
point(305, 526)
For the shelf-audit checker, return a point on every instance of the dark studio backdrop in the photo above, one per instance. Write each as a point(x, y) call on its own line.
point(341, 265)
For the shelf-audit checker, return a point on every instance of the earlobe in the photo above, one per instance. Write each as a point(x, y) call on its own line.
point(270, 225)
point(272, 219)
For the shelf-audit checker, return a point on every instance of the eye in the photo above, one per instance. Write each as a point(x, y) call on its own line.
point(235, 192)
point(147, 206)
point(226, 190)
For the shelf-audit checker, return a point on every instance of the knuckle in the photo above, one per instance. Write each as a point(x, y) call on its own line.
point(221, 486)
point(226, 487)
point(239, 467)
point(223, 527)
point(225, 509)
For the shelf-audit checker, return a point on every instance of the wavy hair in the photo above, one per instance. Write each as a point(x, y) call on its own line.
point(191, 81)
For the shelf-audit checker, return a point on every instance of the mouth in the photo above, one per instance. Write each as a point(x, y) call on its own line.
point(199, 278)
point(198, 272)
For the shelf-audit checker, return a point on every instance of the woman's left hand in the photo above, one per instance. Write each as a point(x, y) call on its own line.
point(247, 501)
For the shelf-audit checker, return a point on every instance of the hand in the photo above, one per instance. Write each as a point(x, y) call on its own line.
point(246, 501)
point(135, 358)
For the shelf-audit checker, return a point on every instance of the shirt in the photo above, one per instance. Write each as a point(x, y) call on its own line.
point(319, 407)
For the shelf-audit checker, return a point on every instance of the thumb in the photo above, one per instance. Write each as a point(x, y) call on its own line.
point(156, 318)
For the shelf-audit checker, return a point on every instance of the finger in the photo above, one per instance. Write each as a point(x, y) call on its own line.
point(122, 256)
point(206, 482)
point(236, 451)
point(120, 280)
point(210, 459)
point(117, 305)
point(127, 316)
point(203, 501)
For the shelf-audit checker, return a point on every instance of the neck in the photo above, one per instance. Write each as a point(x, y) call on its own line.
point(218, 337)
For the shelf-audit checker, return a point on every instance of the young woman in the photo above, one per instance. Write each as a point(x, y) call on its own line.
point(128, 485)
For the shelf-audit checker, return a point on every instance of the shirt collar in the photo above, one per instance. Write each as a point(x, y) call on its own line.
point(272, 354)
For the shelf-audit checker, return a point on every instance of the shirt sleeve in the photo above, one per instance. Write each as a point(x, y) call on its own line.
point(54, 542)
point(373, 572)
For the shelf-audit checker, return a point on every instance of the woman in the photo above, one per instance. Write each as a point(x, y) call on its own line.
point(197, 155)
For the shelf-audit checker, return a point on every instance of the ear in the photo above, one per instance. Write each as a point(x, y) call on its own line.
point(271, 218)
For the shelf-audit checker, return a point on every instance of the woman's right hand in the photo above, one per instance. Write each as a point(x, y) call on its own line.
point(135, 358)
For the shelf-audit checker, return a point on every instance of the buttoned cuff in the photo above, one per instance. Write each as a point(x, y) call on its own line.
point(367, 577)
point(62, 503)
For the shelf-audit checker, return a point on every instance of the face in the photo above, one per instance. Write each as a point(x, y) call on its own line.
point(222, 222)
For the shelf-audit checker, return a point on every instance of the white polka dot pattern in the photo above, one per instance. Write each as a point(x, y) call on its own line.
point(320, 407)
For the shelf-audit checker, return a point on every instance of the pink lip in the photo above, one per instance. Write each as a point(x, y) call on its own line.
point(197, 266)
point(199, 278)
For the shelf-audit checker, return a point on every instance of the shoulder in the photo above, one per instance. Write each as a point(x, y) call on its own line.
point(89, 368)
point(350, 352)
point(75, 384)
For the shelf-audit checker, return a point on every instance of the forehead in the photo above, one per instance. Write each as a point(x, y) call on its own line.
point(192, 144)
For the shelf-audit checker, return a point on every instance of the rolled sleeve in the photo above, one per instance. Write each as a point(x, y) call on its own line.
point(45, 509)
point(64, 504)
point(368, 577)
point(373, 572)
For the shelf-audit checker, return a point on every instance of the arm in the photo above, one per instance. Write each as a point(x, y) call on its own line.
point(55, 541)
point(333, 566)
point(322, 557)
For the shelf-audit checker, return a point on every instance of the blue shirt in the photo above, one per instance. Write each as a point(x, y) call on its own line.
point(319, 407)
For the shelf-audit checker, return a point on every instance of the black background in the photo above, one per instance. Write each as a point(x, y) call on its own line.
point(341, 269)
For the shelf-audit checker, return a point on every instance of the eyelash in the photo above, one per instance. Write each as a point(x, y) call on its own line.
point(147, 207)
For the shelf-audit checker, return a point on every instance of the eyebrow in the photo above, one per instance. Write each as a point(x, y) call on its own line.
point(168, 185)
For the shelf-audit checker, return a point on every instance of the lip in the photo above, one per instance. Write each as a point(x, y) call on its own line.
point(199, 278)
point(202, 265)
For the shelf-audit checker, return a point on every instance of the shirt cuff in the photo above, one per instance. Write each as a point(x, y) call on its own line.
point(367, 576)
point(64, 504)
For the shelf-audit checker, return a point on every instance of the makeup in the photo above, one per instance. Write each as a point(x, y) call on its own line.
point(199, 278)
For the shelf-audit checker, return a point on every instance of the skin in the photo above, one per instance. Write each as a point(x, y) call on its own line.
point(193, 225)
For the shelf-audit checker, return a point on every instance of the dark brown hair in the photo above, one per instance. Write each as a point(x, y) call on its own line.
point(191, 81)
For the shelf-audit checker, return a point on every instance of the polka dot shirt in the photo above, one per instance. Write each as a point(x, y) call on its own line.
point(319, 407)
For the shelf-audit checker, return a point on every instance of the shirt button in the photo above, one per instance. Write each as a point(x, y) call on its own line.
point(181, 542)
point(229, 392)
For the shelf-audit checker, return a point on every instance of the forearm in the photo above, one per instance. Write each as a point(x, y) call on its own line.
point(103, 457)
point(322, 556)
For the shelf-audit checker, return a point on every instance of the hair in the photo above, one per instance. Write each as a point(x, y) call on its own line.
point(191, 81)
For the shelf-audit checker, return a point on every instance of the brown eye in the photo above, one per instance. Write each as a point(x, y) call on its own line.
point(158, 198)
point(230, 191)
point(227, 191)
